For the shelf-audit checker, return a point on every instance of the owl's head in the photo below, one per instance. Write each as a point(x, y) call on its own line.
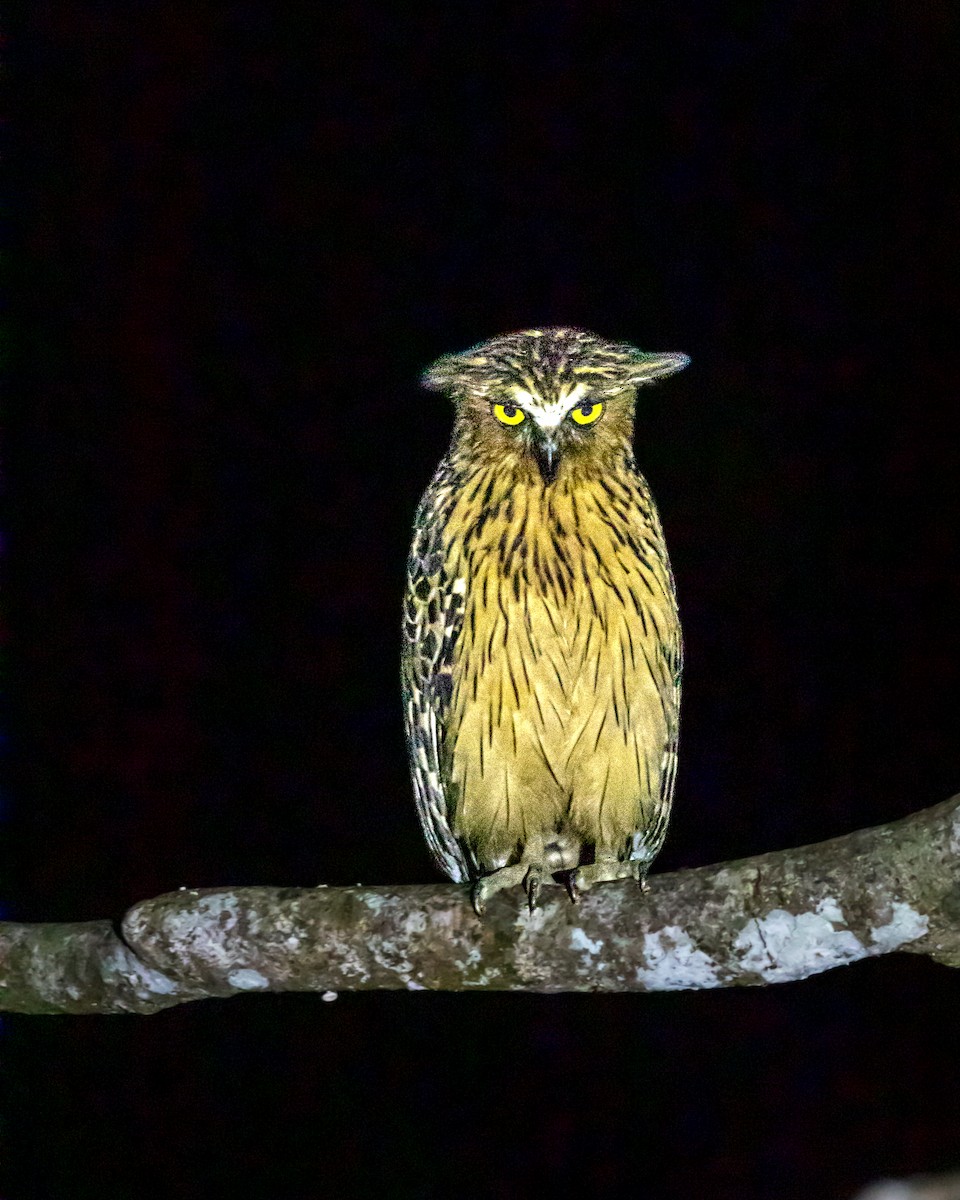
point(554, 396)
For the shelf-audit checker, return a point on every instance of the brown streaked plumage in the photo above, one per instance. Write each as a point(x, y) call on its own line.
point(542, 650)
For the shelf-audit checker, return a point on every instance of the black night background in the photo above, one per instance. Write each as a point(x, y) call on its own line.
point(240, 233)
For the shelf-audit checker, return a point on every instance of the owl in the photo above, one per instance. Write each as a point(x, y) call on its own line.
point(542, 651)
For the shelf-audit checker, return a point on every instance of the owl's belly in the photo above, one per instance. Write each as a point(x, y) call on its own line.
point(559, 728)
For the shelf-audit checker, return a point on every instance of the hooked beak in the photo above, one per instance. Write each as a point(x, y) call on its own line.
point(548, 458)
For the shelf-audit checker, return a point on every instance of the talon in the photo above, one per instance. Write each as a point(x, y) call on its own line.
point(476, 898)
point(533, 883)
point(570, 883)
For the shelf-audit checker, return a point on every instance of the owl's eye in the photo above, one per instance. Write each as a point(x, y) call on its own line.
point(586, 414)
point(508, 414)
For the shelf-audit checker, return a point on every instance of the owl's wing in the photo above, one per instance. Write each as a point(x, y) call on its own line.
point(667, 665)
point(433, 614)
point(673, 653)
point(668, 659)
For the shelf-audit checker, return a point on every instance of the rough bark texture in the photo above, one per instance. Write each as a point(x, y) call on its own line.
point(769, 919)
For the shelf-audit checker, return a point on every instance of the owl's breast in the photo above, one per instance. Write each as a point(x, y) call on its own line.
point(561, 687)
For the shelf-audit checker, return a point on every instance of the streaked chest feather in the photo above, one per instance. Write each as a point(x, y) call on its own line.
point(561, 680)
point(543, 566)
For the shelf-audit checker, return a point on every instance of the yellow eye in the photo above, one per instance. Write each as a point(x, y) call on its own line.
point(586, 414)
point(508, 414)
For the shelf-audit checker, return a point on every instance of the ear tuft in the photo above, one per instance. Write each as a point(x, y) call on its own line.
point(644, 368)
point(640, 367)
point(452, 373)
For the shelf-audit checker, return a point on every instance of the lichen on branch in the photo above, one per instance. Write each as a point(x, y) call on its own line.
point(769, 919)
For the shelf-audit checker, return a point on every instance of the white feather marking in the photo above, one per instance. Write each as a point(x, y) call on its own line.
point(549, 416)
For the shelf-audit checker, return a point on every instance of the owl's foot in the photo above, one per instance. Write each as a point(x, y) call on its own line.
point(489, 885)
point(604, 870)
point(529, 875)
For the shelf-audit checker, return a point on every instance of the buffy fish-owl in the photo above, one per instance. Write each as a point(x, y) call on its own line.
point(541, 649)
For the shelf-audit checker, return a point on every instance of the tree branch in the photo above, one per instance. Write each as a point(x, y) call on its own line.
point(769, 919)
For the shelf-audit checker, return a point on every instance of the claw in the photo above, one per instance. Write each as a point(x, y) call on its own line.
point(533, 883)
point(477, 900)
point(570, 883)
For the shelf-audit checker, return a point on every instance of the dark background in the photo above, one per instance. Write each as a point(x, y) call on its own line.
point(239, 237)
